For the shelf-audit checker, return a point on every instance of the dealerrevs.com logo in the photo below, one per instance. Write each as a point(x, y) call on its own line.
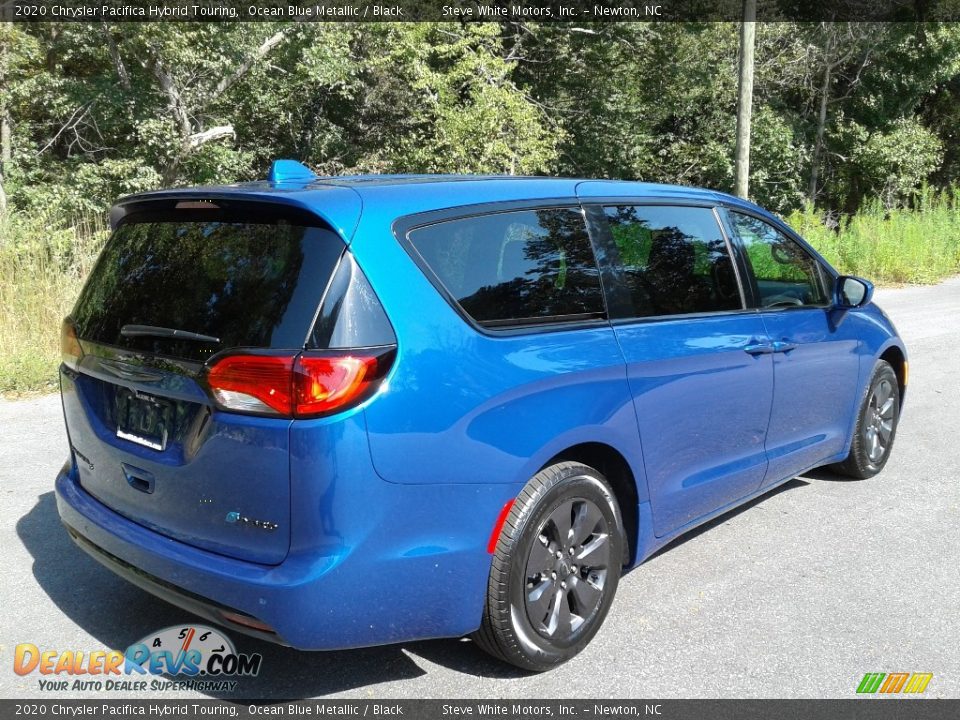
point(198, 657)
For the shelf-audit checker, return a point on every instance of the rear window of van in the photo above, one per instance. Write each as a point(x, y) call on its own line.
point(242, 284)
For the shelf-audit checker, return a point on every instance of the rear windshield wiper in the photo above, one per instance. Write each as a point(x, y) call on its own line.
point(155, 331)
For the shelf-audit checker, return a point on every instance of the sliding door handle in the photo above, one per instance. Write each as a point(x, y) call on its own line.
point(784, 346)
point(759, 349)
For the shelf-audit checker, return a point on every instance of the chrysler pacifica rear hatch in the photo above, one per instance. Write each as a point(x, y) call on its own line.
point(175, 415)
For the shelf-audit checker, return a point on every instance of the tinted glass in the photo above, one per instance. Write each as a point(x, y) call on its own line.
point(250, 285)
point(786, 275)
point(351, 316)
point(673, 260)
point(515, 267)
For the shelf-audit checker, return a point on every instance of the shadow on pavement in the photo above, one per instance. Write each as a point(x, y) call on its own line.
point(118, 614)
point(721, 519)
point(824, 473)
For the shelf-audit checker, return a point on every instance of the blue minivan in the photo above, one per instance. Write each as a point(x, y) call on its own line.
point(348, 411)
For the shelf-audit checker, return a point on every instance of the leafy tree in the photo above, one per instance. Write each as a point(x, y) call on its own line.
point(842, 112)
point(456, 105)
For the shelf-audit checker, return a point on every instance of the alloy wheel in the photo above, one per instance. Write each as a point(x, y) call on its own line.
point(878, 425)
point(566, 569)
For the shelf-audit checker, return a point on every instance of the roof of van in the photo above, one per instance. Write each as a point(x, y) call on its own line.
point(340, 200)
point(522, 186)
point(527, 186)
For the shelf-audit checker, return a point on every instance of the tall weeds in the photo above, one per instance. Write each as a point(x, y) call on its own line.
point(42, 267)
point(920, 245)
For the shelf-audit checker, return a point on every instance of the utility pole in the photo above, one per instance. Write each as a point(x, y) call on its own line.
point(748, 29)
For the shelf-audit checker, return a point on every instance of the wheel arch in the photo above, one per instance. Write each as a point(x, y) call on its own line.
point(898, 360)
point(611, 463)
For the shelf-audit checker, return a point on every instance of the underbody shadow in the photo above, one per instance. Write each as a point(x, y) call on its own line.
point(824, 473)
point(119, 614)
point(732, 513)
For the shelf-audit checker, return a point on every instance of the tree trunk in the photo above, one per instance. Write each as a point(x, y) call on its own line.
point(6, 153)
point(821, 125)
point(51, 59)
point(745, 100)
point(118, 64)
point(6, 150)
point(190, 140)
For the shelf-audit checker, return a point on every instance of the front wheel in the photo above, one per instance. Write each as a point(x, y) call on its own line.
point(555, 569)
point(876, 425)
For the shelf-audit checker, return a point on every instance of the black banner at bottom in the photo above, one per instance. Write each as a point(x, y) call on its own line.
point(874, 708)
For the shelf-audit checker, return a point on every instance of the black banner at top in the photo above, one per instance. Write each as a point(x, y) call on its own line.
point(569, 11)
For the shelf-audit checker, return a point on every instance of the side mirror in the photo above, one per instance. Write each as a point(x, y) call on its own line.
point(853, 292)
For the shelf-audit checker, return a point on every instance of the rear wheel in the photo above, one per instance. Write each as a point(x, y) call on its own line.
point(876, 425)
point(555, 569)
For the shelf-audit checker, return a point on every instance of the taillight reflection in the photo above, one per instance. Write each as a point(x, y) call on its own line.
point(70, 350)
point(324, 384)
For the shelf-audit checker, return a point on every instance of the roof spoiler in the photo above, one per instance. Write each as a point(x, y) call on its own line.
point(192, 206)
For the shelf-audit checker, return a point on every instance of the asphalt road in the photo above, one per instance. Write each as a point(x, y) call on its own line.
point(796, 595)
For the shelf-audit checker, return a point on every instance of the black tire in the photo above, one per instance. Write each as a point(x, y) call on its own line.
point(876, 425)
point(543, 608)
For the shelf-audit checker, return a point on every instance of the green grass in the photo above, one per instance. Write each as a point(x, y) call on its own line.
point(43, 264)
point(891, 247)
point(41, 271)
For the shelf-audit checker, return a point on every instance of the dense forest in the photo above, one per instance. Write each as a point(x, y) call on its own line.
point(843, 112)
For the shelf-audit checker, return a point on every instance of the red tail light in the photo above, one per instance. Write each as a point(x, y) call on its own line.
point(70, 349)
point(297, 386)
point(323, 384)
point(254, 383)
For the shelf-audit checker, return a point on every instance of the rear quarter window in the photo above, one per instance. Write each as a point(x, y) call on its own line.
point(515, 268)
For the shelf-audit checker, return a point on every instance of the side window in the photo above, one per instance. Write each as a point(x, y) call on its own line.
point(515, 268)
point(673, 260)
point(786, 275)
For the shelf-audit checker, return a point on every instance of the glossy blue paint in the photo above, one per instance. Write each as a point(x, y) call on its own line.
point(339, 206)
point(823, 370)
point(678, 368)
point(223, 463)
point(384, 511)
point(397, 567)
point(290, 171)
point(492, 407)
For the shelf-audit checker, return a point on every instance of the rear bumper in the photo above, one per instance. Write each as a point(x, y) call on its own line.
point(418, 571)
point(177, 596)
